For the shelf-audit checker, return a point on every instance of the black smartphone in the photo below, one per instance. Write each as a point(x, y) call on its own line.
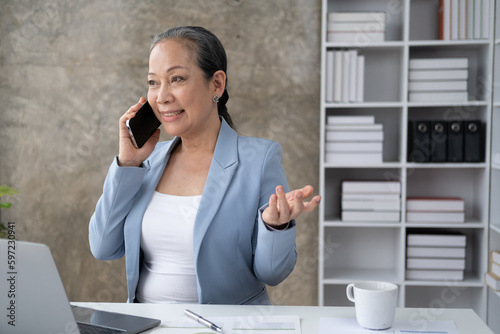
point(143, 125)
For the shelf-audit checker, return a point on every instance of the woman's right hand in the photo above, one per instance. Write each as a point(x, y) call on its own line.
point(128, 155)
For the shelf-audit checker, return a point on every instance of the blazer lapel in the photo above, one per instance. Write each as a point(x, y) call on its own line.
point(222, 168)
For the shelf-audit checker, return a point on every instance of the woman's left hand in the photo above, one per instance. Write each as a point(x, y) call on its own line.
point(285, 207)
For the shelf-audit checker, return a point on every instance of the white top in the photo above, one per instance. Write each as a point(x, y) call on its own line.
point(168, 274)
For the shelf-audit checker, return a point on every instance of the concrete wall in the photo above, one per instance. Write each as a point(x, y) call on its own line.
point(70, 69)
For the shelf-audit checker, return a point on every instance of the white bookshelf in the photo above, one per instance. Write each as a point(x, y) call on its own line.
point(358, 251)
point(494, 240)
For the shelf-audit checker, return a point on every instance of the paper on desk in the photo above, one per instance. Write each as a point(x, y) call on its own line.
point(351, 326)
point(238, 325)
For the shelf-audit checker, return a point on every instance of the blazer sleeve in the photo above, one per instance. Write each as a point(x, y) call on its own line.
point(275, 251)
point(106, 235)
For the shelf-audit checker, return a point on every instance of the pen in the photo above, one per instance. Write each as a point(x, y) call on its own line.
point(203, 321)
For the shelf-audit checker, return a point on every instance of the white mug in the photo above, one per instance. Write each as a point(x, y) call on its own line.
point(374, 302)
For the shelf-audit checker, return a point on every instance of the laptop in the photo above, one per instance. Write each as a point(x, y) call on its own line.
point(33, 299)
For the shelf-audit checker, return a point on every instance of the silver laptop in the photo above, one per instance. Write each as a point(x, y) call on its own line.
point(33, 299)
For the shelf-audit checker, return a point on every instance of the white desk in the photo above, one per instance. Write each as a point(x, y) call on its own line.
point(466, 320)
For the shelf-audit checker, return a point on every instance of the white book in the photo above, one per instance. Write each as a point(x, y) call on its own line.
point(356, 16)
point(495, 268)
point(371, 187)
point(485, 18)
point(436, 240)
point(370, 216)
point(330, 68)
point(356, 38)
point(435, 204)
point(435, 217)
point(446, 18)
point(346, 65)
point(367, 26)
point(354, 147)
point(477, 19)
point(436, 252)
point(360, 79)
point(462, 19)
point(454, 19)
point(355, 119)
point(354, 135)
point(492, 280)
point(371, 197)
point(470, 19)
point(354, 158)
point(430, 86)
point(458, 96)
point(371, 205)
point(434, 275)
point(438, 75)
point(438, 63)
point(495, 256)
point(355, 127)
point(353, 66)
point(446, 264)
point(338, 64)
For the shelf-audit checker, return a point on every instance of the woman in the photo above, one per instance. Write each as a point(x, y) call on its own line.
point(204, 217)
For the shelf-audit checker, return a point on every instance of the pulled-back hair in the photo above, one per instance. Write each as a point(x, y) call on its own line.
point(209, 53)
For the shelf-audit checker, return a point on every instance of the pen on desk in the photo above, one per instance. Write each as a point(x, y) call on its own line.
point(203, 321)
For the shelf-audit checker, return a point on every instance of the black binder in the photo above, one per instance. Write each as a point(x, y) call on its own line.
point(473, 148)
point(455, 141)
point(419, 141)
point(438, 141)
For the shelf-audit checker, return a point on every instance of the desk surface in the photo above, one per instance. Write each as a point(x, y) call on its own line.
point(467, 321)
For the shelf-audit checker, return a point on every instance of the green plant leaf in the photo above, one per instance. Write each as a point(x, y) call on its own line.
point(6, 190)
point(5, 205)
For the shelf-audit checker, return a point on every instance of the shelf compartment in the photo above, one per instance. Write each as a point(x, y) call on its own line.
point(394, 10)
point(495, 198)
point(334, 177)
point(475, 255)
point(471, 184)
point(479, 76)
point(362, 254)
point(390, 118)
point(441, 297)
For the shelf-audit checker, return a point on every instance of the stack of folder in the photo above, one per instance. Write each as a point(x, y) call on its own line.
point(438, 79)
point(435, 256)
point(435, 210)
point(371, 201)
point(353, 140)
point(356, 27)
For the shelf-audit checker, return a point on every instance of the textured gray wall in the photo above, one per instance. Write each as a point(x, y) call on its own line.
point(70, 69)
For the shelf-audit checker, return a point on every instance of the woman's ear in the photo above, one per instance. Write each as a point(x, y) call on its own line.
point(219, 82)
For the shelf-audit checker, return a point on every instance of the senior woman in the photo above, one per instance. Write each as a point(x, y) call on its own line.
point(205, 217)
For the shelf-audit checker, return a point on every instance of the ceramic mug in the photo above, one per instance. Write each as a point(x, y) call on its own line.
point(374, 302)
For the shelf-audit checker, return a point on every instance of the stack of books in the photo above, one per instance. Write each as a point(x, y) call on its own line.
point(356, 27)
point(463, 19)
point(371, 201)
point(438, 79)
point(353, 140)
point(435, 256)
point(435, 210)
point(492, 277)
point(345, 72)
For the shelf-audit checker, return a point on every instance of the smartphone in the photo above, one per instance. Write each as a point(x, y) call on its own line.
point(143, 125)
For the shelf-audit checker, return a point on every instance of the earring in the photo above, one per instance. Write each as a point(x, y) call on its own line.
point(215, 99)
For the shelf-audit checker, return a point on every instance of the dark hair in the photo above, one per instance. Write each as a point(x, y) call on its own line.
point(210, 56)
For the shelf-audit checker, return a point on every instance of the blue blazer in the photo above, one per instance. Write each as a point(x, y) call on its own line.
point(235, 254)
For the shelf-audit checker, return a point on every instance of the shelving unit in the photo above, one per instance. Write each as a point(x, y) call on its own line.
point(359, 251)
point(494, 240)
